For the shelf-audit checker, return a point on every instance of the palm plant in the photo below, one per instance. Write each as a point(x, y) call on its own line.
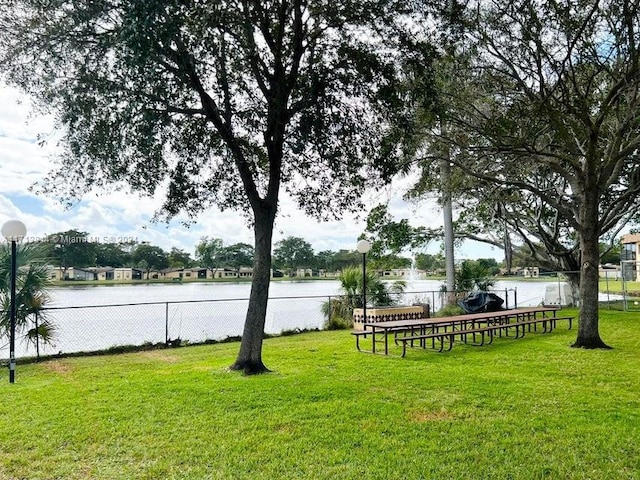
point(338, 312)
point(32, 282)
point(471, 275)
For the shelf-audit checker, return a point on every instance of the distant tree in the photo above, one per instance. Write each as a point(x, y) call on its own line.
point(178, 258)
point(292, 253)
point(227, 102)
point(331, 261)
point(389, 262)
point(344, 259)
point(610, 253)
point(490, 265)
point(238, 255)
point(210, 253)
point(72, 248)
point(112, 255)
point(429, 263)
point(324, 260)
point(150, 257)
point(32, 285)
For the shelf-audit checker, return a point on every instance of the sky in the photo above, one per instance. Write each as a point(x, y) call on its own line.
point(121, 216)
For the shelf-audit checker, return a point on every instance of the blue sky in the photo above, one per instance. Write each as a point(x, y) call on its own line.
point(23, 162)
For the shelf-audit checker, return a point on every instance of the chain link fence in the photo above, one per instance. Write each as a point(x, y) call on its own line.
point(94, 328)
point(614, 290)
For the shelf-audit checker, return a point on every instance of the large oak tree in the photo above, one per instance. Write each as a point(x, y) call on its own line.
point(225, 102)
point(544, 124)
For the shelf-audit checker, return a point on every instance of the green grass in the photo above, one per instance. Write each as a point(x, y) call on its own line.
point(616, 286)
point(531, 408)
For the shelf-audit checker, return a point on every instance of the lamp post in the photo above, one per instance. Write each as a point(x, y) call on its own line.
point(363, 247)
point(13, 231)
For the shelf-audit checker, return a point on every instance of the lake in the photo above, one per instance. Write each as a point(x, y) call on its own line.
point(98, 317)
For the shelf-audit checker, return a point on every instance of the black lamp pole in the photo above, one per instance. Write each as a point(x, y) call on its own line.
point(12, 327)
point(363, 247)
point(14, 231)
point(364, 287)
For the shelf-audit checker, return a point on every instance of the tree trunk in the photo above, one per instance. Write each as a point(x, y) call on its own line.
point(449, 237)
point(588, 334)
point(250, 356)
point(508, 248)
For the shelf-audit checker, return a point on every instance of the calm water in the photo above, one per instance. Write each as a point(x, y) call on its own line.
point(91, 318)
point(528, 293)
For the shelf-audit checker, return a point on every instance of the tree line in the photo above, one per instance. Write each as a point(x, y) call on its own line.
point(289, 255)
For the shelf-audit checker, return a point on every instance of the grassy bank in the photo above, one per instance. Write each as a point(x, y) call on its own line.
point(616, 286)
point(521, 409)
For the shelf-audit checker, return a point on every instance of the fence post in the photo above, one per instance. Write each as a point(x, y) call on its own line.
point(330, 311)
point(166, 323)
point(515, 297)
point(506, 296)
point(625, 307)
point(37, 337)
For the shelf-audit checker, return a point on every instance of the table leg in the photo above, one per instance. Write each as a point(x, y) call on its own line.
point(386, 342)
point(373, 339)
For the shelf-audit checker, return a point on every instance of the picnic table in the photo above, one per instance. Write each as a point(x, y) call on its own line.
point(446, 328)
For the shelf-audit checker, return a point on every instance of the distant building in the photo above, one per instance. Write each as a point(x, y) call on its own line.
point(305, 272)
point(154, 275)
point(104, 273)
point(245, 272)
point(127, 273)
point(629, 256)
point(610, 272)
point(402, 273)
point(71, 273)
point(174, 274)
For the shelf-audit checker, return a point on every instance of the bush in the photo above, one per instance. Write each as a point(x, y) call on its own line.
point(450, 310)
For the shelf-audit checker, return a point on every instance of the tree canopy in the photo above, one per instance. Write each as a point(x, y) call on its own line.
point(292, 253)
point(72, 248)
point(112, 255)
point(209, 252)
point(238, 255)
point(150, 257)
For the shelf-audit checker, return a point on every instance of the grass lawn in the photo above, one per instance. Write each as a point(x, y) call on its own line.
point(615, 286)
point(531, 408)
